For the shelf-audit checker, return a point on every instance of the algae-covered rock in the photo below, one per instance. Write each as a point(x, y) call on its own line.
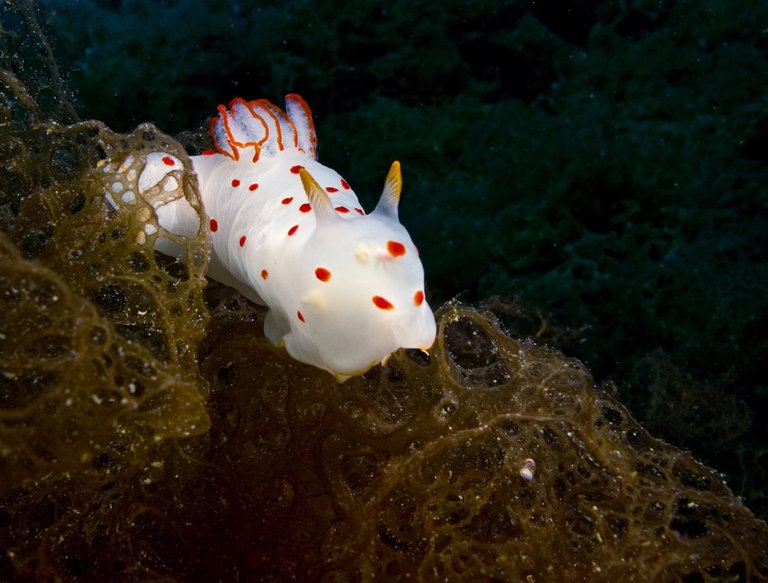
point(148, 430)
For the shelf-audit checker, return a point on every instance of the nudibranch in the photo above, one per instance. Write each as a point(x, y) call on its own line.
point(344, 288)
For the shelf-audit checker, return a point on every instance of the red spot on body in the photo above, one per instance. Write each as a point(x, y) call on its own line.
point(296, 169)
point(287, 200)
point(235, 183)
point(214, 225)
point(242, 240)
point(292, 230)
point(395, 248)
point(322, 274)
point(168, 161)
point(305, 208)
point(208, 152)
point(344, 184)
point(342, 209)
point(359, 211)
point(382, 303)
point(264, 274)
point(253, 186)
point(418, 298)
point(300, 315)
point(331, 189)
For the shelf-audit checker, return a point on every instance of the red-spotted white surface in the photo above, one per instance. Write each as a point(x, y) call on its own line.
point(345, 288)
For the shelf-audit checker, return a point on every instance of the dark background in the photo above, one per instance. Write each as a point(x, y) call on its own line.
point(600, 164)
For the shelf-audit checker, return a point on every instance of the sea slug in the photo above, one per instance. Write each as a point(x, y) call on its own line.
point(344, 288)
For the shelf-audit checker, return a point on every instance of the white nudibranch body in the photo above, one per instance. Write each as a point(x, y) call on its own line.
point(344, 288)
